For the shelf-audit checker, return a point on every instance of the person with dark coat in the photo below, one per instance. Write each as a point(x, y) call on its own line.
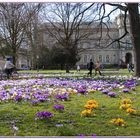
point(90, 67)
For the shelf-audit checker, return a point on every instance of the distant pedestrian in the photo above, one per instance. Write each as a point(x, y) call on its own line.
point(9, 67)
point(130, 67)
point(90, 67)
point(78, 68)
point(97, 68)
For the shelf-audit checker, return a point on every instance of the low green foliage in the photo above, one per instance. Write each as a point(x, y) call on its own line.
point(69, 122)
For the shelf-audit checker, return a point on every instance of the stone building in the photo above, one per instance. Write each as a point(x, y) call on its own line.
point(95, 45)
point(117, 53)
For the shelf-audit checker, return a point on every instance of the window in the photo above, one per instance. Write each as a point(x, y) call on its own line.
point(92, 58)
point(107, 59)
point(100, 58)
point(85, 58)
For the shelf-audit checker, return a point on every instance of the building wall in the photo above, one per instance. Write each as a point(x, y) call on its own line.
point(114, 54)
point(92, 47)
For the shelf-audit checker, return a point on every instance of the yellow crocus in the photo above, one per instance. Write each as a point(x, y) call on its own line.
point(125, 106)
point(86, 113)
point(92, 102)
point(118, 121)
point(131, 111)
point(126, 101)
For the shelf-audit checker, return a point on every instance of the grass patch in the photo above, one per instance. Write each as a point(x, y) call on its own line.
point(69, 122)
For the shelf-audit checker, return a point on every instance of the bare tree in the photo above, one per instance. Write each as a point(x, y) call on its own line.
point(65, 24)
point(14, 20)
point(31, 32)
point(129, 10)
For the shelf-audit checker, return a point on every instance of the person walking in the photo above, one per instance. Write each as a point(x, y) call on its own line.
point(130, 67)
point(78, 68)
point(90, 67)
point(97, 68)
point(9, 67)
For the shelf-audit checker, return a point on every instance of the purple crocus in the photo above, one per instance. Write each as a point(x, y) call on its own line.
point(35, 102)
point(112, 94)
point(105, 91)
point(126, 90)
point(44, 115)
point(18, 98)
point(81, 135)
point(59, 107)
point(82, 91)
point(62, 97)
point(94, 135)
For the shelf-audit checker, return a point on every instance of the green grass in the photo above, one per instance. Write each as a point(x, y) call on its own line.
point(23, 113)
point(71, 71)
point(82, 73)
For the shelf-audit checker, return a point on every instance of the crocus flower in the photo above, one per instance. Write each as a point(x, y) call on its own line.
point(125, 106)
point(59, 107)
point(35, 102)
point(62, 97)
point(105, 91)
point(131, 110)
point(86, 113)
point(126, 90)
point(81, 135)
point(82, 91)
point(44, 115)
point(118, 121)
point(112, 94)
point(126, 101)
point(18, 98)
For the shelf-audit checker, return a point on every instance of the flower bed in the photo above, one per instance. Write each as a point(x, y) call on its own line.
point(69, 106)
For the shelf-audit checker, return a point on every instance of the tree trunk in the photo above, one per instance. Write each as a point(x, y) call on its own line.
point(67, 68)
point(135, 31)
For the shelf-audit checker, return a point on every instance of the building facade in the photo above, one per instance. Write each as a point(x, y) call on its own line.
point(95, 46)
point(118, 53)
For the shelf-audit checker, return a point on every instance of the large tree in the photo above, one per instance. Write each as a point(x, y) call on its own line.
point(64, 24)
point(15, 18)
point(135, 31)
point(130, 10)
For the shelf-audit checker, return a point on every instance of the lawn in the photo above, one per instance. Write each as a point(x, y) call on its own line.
point(22, 99)
point(74, 73)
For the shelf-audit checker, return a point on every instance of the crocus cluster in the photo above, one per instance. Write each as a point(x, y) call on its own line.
point(112, 94)
point(105, 91)
point(125, 90)
point(126, 104)
point(86, 113)
point(90, 105)
point(82, 90)
point(44, 115)
point(118, 121)
point(43, 89)
point(18, 98)
point(131, 111)
point(58, 107)
point(62, 97)
point(35, 102)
